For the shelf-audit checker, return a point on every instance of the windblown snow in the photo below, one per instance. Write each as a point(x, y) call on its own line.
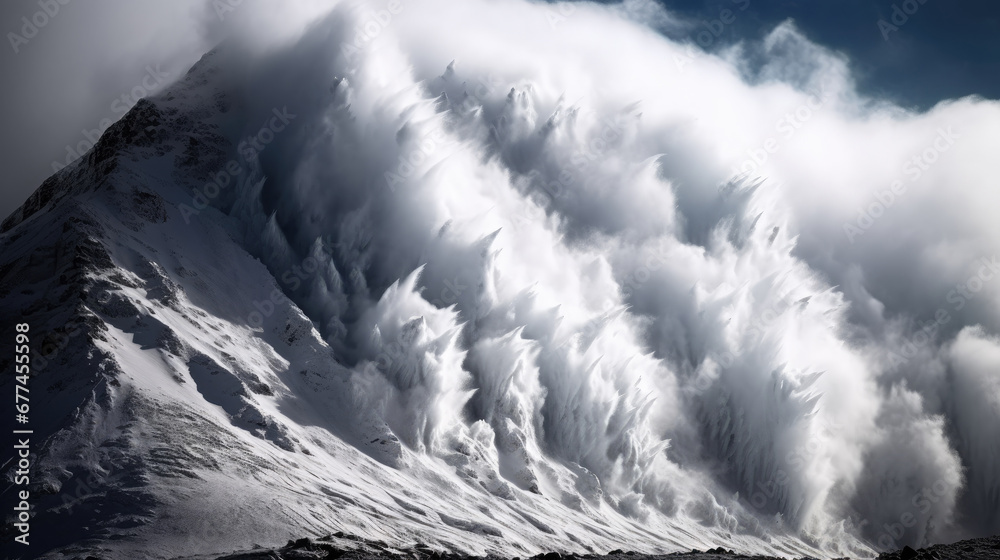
point(512, 277)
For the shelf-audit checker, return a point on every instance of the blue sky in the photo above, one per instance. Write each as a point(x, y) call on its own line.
point(942, 50)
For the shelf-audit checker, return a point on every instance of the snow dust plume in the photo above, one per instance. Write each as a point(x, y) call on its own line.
point(729, 289)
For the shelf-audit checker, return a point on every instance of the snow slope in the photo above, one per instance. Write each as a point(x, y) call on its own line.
point(174, 426)
point(337, 280)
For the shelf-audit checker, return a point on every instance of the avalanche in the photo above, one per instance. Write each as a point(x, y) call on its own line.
point(480, 281)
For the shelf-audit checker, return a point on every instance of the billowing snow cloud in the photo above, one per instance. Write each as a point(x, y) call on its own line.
point(727, 288)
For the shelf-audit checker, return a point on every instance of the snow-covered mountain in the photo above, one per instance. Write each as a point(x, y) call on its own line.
point(187, 406)
point(337, 282)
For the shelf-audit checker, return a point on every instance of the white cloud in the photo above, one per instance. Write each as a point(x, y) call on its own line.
point(582, 192)
point(613, 176)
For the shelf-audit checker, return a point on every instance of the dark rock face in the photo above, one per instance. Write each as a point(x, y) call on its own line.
point(976, 549)
point(339, 545)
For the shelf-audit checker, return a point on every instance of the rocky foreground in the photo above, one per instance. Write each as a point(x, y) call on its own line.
point(346, 547)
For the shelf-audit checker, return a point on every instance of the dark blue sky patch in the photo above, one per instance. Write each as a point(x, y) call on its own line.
point(913, 53)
